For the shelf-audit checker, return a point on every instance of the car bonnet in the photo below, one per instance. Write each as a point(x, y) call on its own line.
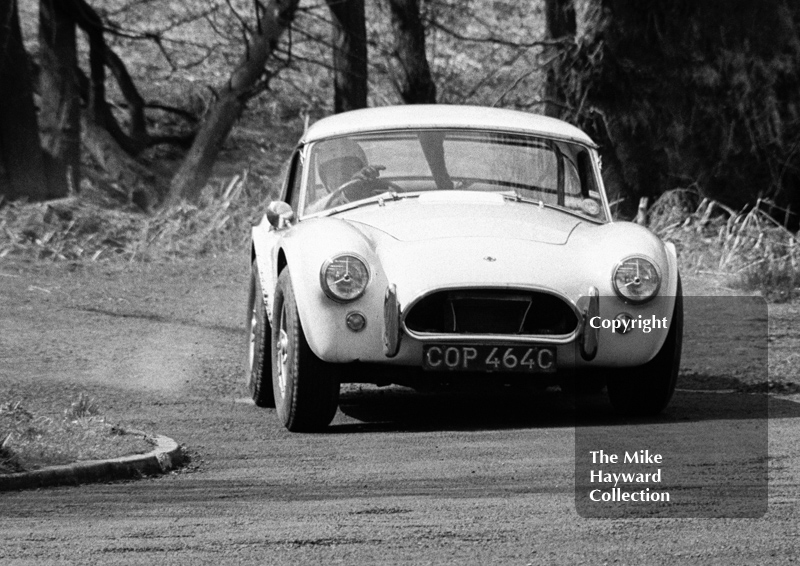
point(479, 215)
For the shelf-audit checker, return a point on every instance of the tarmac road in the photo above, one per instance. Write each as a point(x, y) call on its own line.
point(400, 477)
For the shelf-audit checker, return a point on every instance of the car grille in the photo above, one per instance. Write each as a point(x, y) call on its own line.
point(491, 311)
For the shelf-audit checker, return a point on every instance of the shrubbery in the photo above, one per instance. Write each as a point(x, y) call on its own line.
point(691, 93)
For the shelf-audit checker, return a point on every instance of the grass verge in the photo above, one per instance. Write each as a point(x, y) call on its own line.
point(88, 227)
point(750, 249)
point(29, 441)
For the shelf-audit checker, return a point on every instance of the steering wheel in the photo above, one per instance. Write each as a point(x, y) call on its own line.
point(340, 196)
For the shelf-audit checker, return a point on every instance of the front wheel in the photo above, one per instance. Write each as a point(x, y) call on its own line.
point(646, 390)
point(306, 389)
point(259, 376)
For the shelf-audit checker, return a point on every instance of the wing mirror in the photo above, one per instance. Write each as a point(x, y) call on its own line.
point(279, 214)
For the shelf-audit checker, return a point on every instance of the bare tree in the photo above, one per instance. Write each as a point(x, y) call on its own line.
point(413, 77)
point(246, 81)
point(115, 148)
point(112, 148)
point(21, 163)
point(349, 54)
point(59, 112)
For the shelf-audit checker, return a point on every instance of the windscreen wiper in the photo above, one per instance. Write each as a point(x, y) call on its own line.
point(379, 199)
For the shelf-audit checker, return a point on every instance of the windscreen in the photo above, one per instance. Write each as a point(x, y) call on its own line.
point(557, 173)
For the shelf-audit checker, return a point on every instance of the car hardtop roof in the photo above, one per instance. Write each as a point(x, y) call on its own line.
point(423, 116)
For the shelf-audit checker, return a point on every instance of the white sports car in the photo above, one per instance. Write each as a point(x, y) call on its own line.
point(429, 244)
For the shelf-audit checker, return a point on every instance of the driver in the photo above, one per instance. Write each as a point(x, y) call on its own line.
point(339, 161)
point(343, 163)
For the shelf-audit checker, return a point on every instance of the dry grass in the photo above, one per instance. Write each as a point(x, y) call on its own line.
point(750, 248)
point(29, 441)
point(84, 228)
point(753, 250)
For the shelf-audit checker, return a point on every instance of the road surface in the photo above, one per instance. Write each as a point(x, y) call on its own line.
point(400, 477)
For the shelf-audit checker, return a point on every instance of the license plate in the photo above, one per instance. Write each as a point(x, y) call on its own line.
point(488, 358)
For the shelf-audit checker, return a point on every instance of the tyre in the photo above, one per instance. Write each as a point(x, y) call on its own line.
point(646, 390)
point(259, 359)
point(305, 388)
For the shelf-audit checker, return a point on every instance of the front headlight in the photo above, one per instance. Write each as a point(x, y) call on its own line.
point(344, 277)
point(636, 280)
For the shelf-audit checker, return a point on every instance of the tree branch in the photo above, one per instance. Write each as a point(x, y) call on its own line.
point(497, 40)
point(138, 127)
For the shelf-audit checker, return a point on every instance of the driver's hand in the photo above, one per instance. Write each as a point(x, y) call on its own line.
point(369, 172)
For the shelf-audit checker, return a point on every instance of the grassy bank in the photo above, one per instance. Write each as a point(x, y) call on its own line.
point(29, 441)
point(88, 228)
point(747, 250)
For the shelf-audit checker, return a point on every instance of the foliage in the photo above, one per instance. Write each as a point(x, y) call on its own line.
point(79, 229)
point(83, 407)
point(692, 93)
point(683, 93)
point(29, 440)
point(678, 93)
point(750, 248)
point(479, 53)
point(489, 55)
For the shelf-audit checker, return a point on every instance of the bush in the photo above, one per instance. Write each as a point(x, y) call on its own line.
point(79, 229)
point(696, 92)
point(751, 248)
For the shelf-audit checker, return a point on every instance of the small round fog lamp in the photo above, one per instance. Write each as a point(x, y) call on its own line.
point(356, 321)
point(625, 323)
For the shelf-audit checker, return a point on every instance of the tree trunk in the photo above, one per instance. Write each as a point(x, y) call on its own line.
point(232, 98)
point(20, 152)
point(349, 54)
point(561, 24)
point(414, 81)
point(100, 57)
point(59, 115)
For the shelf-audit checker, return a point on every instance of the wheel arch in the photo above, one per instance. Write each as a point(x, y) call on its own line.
point(303, 252)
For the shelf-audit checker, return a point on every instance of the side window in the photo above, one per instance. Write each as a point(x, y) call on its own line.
point(294, 181)
point(587, 174)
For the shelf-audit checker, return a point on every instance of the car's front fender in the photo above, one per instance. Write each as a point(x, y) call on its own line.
point(607, 243)
point(306, 247)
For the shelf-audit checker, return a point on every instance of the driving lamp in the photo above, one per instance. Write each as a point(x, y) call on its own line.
point(344, 277)
point(636, 280)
